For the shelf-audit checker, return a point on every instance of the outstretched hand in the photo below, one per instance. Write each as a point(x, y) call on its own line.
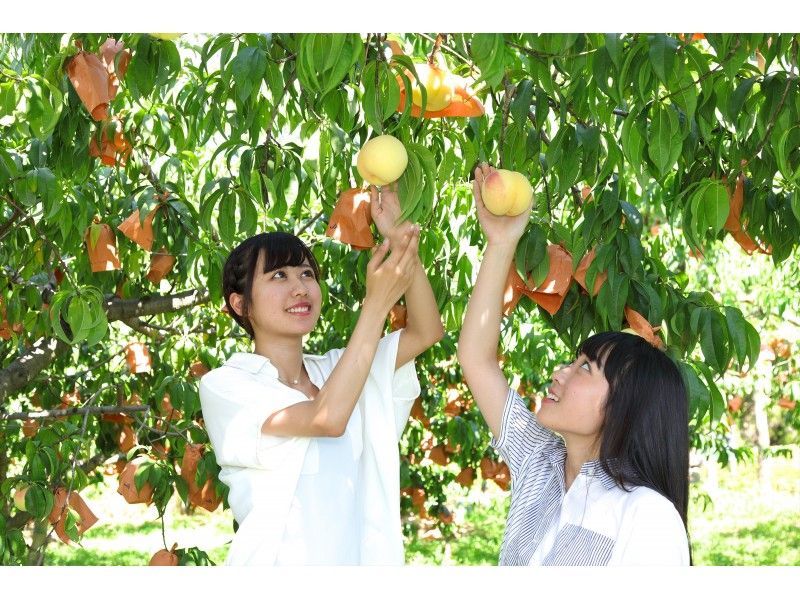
point(498, 229)
point(388, 278)
point(385, 211)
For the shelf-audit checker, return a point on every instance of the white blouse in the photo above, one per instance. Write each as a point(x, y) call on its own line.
point(264, 472)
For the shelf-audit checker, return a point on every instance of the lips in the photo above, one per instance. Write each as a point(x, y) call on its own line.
point(551, 395)
point(300, 309)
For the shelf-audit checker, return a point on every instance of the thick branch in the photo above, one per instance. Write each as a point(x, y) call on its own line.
point(124, 309)
point(21, 371)
point(25, 368)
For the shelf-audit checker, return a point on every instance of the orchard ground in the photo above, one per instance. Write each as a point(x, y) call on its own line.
point(735, 519)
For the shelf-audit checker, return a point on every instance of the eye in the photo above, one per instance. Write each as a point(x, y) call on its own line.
point(279, 274)
point(586, 365)
point(308, 273)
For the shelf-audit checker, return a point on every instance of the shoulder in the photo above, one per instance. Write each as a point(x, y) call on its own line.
point(224, 379)
point(646, 504)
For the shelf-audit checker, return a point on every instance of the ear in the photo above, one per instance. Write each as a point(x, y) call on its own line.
point(237, 303)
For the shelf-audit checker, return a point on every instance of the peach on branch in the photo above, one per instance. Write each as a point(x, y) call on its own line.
point(382, 160)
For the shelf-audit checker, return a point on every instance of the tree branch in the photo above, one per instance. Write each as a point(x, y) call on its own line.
point(44, 351)
point(53, 413)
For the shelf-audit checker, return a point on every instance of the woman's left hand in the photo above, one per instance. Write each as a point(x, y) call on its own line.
point(385, 211)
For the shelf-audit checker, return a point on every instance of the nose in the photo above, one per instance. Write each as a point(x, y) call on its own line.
point(559, 372)
point(300, 289)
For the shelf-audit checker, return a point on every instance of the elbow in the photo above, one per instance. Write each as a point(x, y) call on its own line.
point(331, 429)
point(437, 333)
point(466, 358)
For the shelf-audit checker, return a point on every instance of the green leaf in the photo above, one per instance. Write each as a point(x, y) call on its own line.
point(226, 220)
point(614, 45)
point(633, 140)
point(795, 203)
point(248, 68)
point(662, 55)
point(632, 217)
point(714, 341)
point(521, 104)
point(488, 51)
point(664, 141)
point(715, 205)
point(737, 99)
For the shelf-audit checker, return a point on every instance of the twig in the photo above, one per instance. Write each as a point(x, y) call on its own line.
point(774, 117)
point(440, 37)
point(86, 411)
point(510, 90)
point(545, 55)
point(309, 223)
point(74, 463)
point(151, 176)
point(443, 46)
point(704, 76)
point(142, 327)
point(8, 225)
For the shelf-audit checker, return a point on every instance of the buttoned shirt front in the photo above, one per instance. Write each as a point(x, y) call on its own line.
point(262, 471)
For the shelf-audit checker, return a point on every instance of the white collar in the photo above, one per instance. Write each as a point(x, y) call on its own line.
point(254, 363)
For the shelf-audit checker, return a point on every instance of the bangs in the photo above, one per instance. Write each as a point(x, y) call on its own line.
point(281, 250)
point(598, 347)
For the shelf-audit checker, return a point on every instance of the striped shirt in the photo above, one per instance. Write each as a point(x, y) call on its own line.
point(594, 522)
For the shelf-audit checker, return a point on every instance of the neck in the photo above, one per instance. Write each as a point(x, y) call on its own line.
point(579, 451)
point(285, 353)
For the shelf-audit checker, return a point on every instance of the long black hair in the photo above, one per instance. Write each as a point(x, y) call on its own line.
point(644, 437)
point(280, 250)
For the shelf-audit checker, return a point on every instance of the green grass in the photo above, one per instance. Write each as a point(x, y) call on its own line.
point(743, 525)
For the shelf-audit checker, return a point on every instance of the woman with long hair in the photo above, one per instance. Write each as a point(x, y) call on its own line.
point(600, 473)
point(307, 444)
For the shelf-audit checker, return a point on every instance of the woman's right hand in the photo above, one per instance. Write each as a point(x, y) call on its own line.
point(388, 278)
point(499, 230)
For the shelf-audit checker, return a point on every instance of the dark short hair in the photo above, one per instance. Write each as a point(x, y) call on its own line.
point(644, 438)
point(280, 249)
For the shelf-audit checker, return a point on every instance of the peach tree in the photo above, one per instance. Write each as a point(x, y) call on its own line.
point(131, 164)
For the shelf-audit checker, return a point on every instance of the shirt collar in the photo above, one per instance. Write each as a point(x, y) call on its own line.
point(591, 469)
point(253, 363)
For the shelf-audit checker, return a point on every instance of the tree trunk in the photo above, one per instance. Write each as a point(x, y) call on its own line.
point(761, 394)
point(38, 543)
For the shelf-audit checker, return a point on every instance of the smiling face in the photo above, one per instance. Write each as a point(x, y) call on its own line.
point(285, 301)
point(575, 403)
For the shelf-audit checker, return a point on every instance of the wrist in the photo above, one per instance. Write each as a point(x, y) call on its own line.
point(502, 245)
point(374, 309)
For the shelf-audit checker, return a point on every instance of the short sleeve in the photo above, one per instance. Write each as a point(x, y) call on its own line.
point(235, 406)
point(401, 385)
point(652, 533)
point(521, 434)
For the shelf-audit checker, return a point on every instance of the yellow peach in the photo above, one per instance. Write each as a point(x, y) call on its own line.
point(166, 36)
point(382, 160)
point(506, 193)
point(437, 85)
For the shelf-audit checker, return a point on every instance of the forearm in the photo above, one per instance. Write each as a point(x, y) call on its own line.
point(480, 332)
point(339, 394)
point(422, 312)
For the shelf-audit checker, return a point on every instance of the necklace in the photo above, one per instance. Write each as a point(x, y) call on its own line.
point(294, 382)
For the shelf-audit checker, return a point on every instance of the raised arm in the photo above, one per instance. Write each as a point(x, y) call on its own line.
point(480, 332)
point(423, 321)
point(329, 412)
